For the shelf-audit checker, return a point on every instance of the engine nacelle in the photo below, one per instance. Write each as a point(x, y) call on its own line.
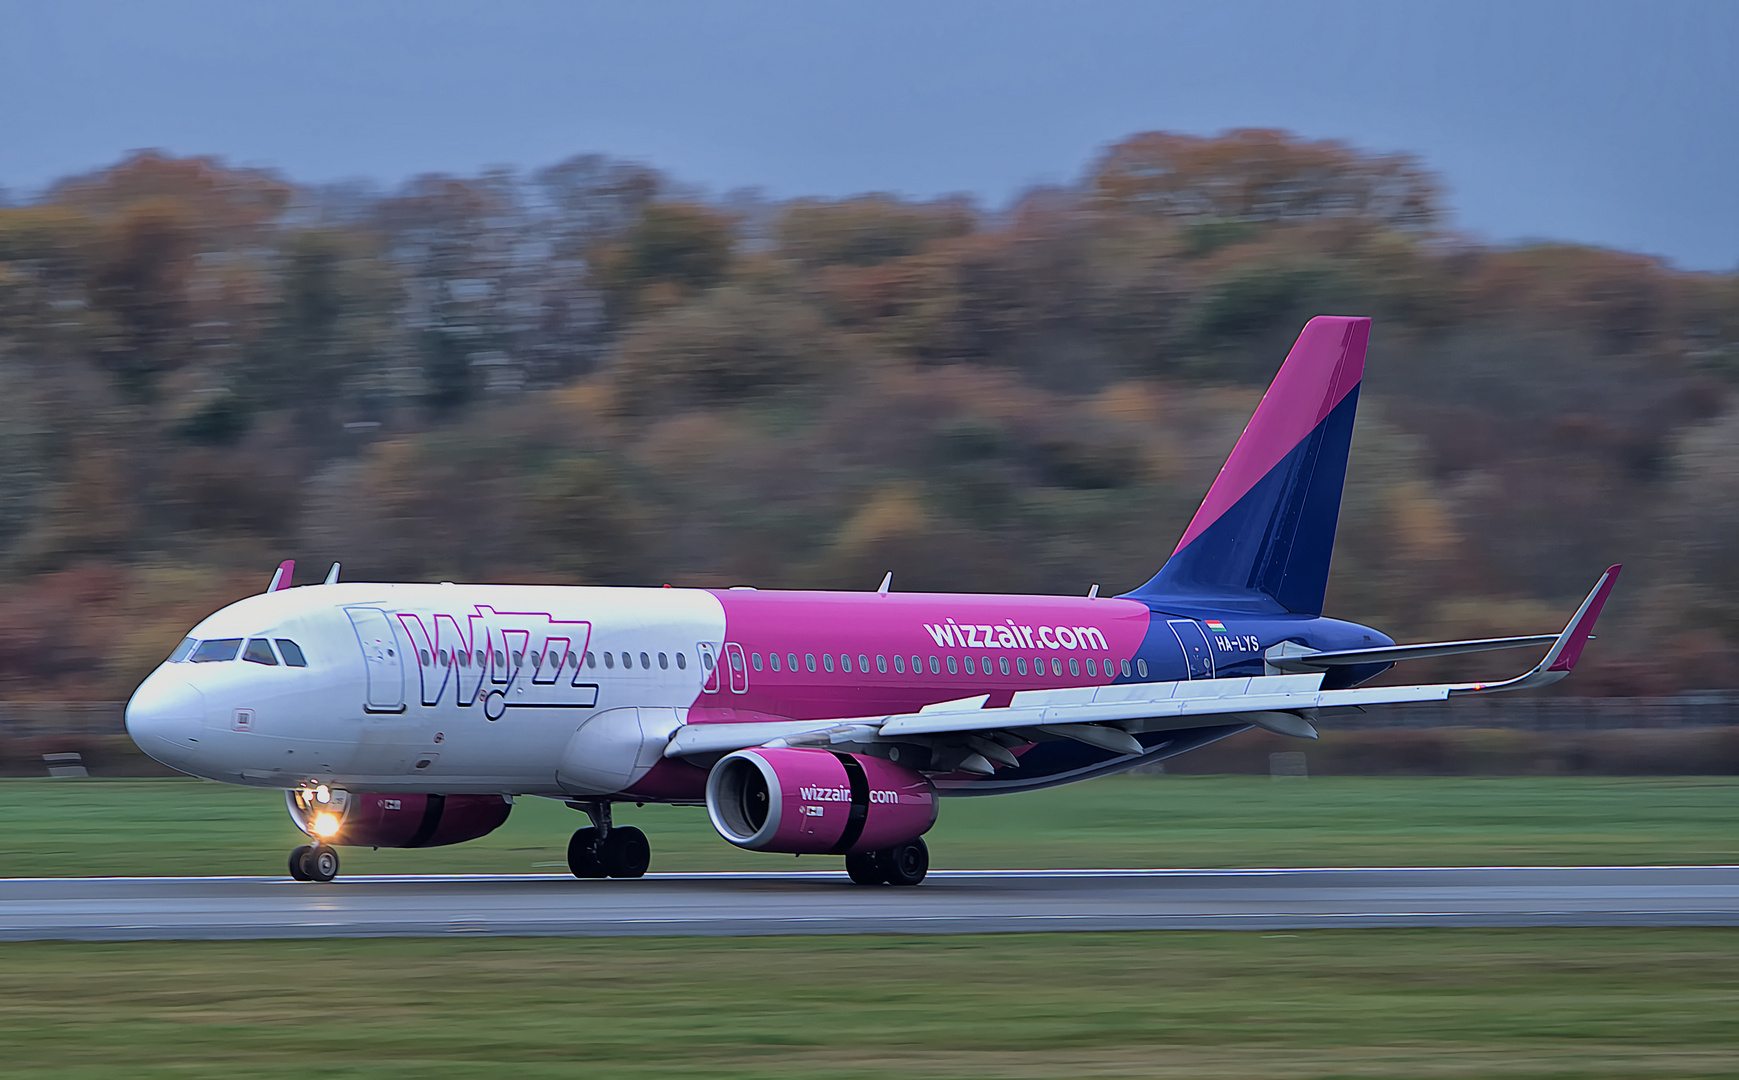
point(812, 802)
point(370, 819)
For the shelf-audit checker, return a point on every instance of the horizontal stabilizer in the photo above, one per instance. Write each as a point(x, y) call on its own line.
point(1393, 654)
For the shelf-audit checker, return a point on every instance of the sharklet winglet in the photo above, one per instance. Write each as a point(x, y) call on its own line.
point(1561, 658)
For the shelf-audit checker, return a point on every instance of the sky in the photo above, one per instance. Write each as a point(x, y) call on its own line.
point(1596, 122)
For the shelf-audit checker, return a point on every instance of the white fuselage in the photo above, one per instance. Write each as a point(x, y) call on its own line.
point(457, 688)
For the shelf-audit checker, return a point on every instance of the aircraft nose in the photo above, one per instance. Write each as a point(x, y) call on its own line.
point(166, 718)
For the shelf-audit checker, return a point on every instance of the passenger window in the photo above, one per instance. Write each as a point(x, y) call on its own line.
point(1020, 664)
point(682, 661)
point(755, 660)
point(292, 653)
point(591, 659)
point(423, 655)
point(863, 663)
point(259, 651)
point(809, 661)
point(518, 659)
point(953, 668)
point(216, 650)
point(969, 666)
point(918, 663)
point(935, 666)
point(181, 651)
point(899, 663)
point(706, 660)
point(773, 660)
point(663, 662)
point(845, 662)
point(646, 661)
point(500, 660)
point(1092, 668)
point(987, 665)
point(1003, 663)
point(881, 663)
point(1074, 666)
point(1126, 669)
point(791, 661)
point(827, 660)
point(610, 660)
point(1141, 667)
point(482, 658)
point(736, 661)
point(627, 660)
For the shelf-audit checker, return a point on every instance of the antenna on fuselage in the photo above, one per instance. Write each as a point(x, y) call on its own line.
point(1093, 593)
point(331, 576)
point(281, 576)
point(887, 583)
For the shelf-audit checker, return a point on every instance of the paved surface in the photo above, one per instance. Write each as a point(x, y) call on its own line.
point(960, 901)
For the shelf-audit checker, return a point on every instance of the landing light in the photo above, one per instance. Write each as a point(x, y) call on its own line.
point(326, 824)
point(322, 794)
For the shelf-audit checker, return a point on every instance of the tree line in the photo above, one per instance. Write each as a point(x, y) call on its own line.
point(595, 373)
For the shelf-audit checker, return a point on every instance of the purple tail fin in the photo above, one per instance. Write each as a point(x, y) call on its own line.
point(1262, 539)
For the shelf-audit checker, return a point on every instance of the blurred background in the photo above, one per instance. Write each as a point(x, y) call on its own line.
point(793, 295)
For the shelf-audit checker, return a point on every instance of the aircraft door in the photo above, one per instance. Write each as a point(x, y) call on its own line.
point(1194, 642)
point(709, 664)
point(739, 668)
point(381, 656)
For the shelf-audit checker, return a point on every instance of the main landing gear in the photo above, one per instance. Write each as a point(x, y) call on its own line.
point(604, 850)
point(314, 862)
point(902, 864)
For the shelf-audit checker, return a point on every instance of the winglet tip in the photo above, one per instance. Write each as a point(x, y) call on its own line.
point(1578, 634)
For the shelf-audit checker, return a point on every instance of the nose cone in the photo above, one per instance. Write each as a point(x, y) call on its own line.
point(166, 717)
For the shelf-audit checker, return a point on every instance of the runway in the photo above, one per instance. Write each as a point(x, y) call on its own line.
point(950, 901)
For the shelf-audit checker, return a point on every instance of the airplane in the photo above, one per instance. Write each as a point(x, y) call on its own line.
point(804, 722)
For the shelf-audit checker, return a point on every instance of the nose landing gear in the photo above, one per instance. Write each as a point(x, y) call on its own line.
point(604, 850)
point(314, 862)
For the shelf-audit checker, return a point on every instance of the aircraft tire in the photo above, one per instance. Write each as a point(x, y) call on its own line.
point(865, 868)
point(320, 863)
point(583, 854)
point(625, 853)
point(296, 856)
point(904, 864)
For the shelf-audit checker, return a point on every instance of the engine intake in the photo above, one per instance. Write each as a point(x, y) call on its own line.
point(813, 802)
point(371, 819)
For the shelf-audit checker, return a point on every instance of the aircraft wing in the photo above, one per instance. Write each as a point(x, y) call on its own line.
point(1110, 717)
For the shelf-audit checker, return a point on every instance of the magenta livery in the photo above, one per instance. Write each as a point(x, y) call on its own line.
point(810, 723)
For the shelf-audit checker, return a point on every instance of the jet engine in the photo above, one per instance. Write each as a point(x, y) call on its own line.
point(807, 802)
point(370, 819)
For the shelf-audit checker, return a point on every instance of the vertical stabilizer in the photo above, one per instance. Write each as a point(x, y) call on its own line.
point(1262, 539)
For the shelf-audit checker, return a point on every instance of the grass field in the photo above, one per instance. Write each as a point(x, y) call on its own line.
point(153, 827)
point(1558, 1003)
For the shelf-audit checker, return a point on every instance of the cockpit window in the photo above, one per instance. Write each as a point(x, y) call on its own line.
point(292, 653)
point(210, 652)
point(182, 650)
point(259, 651)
